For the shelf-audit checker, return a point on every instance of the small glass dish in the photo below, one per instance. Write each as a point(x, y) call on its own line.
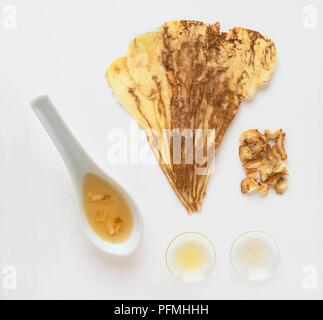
point(190, 257)
point(255, 256)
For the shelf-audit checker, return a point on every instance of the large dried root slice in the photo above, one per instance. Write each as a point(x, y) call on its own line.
point(190, 78)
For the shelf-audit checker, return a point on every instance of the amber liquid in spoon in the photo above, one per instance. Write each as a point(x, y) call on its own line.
point(106, 210)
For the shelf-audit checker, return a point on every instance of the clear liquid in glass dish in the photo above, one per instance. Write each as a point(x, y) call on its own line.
point(255, 257)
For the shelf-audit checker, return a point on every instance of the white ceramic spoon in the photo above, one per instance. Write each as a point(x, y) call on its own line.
point(80, 164)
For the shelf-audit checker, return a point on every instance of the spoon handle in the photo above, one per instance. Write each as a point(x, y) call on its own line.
point(76, 159)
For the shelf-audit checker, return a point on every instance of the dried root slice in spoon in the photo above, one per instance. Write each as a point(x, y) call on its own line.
point(188, 79)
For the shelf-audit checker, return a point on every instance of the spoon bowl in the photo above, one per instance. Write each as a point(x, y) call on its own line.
point(79, 165)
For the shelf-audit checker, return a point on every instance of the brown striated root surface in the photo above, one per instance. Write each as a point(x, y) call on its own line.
point(189, 75)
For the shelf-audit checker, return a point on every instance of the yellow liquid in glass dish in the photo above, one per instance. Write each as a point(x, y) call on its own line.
point(191, 256)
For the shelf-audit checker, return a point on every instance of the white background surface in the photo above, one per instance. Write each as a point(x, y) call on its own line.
point(62, 48)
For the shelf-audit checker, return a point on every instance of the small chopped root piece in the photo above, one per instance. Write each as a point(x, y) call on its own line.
point(97, 197)
point(273, 154)
point(114, 225)
point(274, 179)
point(110, 227)
point(250, 136)
point(245, 153)
point(280, 146)
point(281, 187)
point(253, 174)
point(254, 164)
point(265, 172)
point(101, 216)
point(280, 167)
point(273, 135)
point(263, 157)
point(249, 185)
point(263, 189)
point(257, 149)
